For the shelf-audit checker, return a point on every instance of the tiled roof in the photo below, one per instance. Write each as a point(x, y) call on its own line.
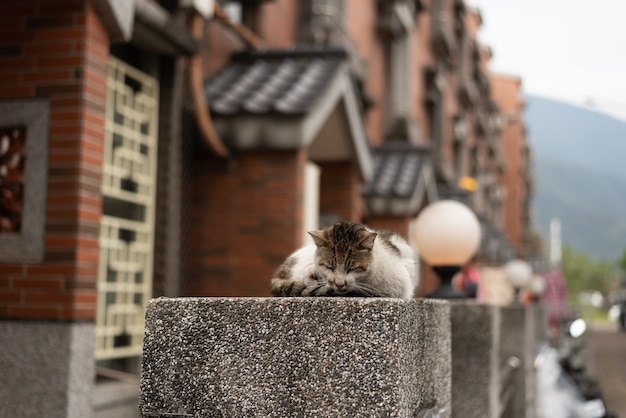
point(401, 182)
point(292, 99)
point(397, 168)
point(287, 82)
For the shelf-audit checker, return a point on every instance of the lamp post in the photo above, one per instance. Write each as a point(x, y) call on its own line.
point(519, 274)
point(537, 287)
point(447, 234)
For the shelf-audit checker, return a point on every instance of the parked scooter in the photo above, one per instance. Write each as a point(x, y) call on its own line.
point(565, 388)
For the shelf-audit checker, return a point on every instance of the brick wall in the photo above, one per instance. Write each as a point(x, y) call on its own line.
point(246, 217)
point(399, 224)
point(278, 24)
point(506, 93)
point(58, 50)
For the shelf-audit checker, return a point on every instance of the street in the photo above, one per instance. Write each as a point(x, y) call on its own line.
point(607, 363)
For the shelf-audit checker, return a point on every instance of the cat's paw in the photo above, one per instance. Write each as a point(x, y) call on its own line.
point(319, 290)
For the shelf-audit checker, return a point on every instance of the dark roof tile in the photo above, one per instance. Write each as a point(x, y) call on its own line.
point(397, 168)
point(262, 82)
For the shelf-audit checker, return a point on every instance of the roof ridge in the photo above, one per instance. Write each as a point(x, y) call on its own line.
point(296, 52)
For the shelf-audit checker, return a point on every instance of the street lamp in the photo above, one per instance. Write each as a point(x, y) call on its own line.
point(447, 234)
point(519, 274)
point(537, 286)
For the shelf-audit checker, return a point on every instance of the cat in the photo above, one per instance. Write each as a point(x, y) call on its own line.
point(349, 259)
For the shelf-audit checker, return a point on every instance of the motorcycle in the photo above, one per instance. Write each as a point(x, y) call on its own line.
point(565, 389)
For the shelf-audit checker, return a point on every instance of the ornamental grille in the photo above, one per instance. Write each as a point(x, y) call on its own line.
point(12, 161)
point(127, 226)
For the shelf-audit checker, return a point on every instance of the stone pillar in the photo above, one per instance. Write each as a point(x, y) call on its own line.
point(541, 324)
point(47, 369)
point(539, 338)
point(517, 342)
point(530, 349)
point(279, 357)
point(475, 359)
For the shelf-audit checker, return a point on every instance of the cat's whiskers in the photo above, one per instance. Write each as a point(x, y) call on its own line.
point(364, 289)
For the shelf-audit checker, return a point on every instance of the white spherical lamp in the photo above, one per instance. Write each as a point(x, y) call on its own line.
point(447, 234)
point(519, 274)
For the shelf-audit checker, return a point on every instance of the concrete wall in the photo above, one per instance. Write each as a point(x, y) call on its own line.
point(296, 357)
point(47, 369)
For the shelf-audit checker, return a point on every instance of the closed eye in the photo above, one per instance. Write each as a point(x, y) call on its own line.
point(355, 270)
point(331, 268)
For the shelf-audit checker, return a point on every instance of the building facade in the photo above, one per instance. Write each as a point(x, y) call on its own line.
point(517, 176)
point(185, 147)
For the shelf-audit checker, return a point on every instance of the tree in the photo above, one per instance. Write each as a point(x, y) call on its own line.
point(584, 273)
point(621, 262)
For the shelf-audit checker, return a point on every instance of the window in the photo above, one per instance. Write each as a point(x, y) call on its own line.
point(127, 225)
point(322, 22)
point(233, 11)
point(12, 162)
point(397, 22)
point(24, 137)
point(244, 12)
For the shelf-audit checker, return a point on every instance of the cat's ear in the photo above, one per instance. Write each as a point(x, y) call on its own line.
point(368, 240)
point(319, 238)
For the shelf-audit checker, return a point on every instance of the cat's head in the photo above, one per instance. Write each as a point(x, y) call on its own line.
point(344, 255)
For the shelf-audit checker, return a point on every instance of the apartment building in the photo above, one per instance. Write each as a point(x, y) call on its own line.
point(517, 178)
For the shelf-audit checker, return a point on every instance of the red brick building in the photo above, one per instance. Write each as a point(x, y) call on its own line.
point(516, 177)
point(95, 88)
point(146, 150)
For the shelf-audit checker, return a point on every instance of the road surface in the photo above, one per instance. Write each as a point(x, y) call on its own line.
point(608, 365)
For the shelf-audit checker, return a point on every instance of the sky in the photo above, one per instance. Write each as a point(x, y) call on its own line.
point(568, 50)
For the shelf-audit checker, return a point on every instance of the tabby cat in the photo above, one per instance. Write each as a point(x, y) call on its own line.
point(349, 259)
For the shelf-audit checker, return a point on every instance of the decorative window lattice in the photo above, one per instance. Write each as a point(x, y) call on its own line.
point(127, 226)
point(12, 158)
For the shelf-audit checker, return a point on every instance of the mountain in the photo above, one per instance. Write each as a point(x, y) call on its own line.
point(580, 175)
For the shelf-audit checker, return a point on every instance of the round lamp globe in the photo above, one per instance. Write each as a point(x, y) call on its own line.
point(518, 273)
point(447, 233)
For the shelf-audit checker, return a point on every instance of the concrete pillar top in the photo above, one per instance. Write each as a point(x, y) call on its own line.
point(296, 357)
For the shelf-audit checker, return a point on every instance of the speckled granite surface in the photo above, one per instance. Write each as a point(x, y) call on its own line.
point(517, 339)
point(475, 359)
point(296, 357)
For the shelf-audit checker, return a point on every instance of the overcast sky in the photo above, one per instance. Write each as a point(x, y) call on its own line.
point(569, 50)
